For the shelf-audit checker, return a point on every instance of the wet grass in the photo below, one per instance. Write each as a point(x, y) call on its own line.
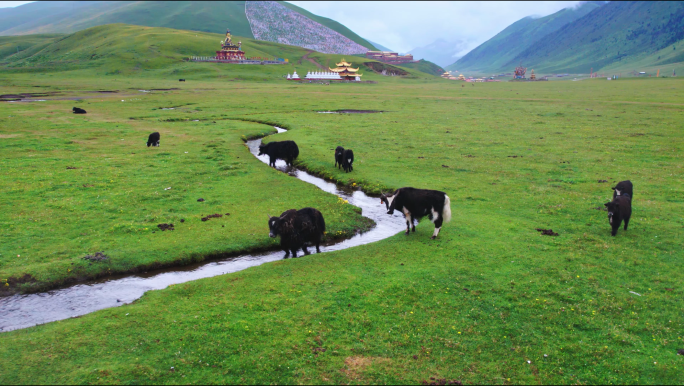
point(489, 301)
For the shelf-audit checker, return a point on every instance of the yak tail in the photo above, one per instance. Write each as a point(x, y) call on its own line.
point(446, 211)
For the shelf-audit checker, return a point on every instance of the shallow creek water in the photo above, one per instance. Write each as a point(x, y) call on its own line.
point(21, 311)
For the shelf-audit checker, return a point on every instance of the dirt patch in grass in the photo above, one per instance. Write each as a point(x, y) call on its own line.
point(9, 135)
point(165, 227)
point(215, 215)
point(440, 381)
point(98, 256)
point(356, 365)
point(547, 232)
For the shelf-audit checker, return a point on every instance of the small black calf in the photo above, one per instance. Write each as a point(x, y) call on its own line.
point(348, 160)
point(78, 110)
point(339, 156)
point(181, 80)
point(296, 228)
point(623, 187)
point(153, 139)
point(284, 150)
point(618, 210)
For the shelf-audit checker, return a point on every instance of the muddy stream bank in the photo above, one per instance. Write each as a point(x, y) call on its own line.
point(21, 311)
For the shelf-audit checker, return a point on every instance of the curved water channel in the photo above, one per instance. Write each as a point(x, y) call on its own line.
point(21, 311)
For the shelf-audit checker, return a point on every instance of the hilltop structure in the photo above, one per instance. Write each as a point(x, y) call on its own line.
point(229, 50)
point(389, 57)
point(345, 71)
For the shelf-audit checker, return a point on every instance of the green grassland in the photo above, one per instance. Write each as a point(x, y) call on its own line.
point(489, 301)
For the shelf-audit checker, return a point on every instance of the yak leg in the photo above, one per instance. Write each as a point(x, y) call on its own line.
point(409, 221)
point(626, 222)
point(306, 251)
point(438, 226)
point(294, 253)
point(287, 254)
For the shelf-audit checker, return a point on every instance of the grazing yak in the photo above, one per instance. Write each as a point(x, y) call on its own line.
point(296, 228)
point(620, 209)
point(623, 187)
point(78, 110)
point(284, 150)
point(339, 156)
point(416, 203)
point(153, 139)
point(348, 160)
point(181, 80)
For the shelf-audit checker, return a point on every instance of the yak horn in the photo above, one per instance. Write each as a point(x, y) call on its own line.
point(268, 215)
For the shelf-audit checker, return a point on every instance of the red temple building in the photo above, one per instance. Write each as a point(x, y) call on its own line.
point(389, 57)
point(230, 50)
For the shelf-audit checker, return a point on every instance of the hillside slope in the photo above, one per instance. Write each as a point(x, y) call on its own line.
point(43, 17)
point(130, 50)
point(67, 17)
point(332, 24)
point(499, 51)
point(614, 35)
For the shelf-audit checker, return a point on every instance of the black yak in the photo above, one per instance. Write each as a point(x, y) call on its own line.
point(339, 156)
point(181, 80)
point(78, 110)
point(348, 160)
point(416, 203)
point(620, 209)
point(153, 139)
point(296, 228)
point(623, 187)
point(284, 150)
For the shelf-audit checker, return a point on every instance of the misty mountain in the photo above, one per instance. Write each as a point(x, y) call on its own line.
point(441, 51)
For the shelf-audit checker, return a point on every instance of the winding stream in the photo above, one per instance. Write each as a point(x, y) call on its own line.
point(21, 311)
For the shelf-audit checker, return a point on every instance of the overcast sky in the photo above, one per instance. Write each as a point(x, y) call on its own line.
point(403, 26)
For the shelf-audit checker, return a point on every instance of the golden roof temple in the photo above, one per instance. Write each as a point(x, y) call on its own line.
point(345, 70)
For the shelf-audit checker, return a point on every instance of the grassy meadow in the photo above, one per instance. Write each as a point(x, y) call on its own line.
point(489, 301)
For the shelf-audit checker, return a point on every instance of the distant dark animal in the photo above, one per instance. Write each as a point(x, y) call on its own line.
point(348, 160)
point(181, 80)
point(417, 203)
point(153, 139)
point(284, 150)
point(339, 155)
point(620, 209)
point(296, 228)
point(78, 110)
point(623, 187)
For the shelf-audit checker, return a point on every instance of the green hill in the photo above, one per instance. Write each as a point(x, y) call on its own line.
point(206, 16)
point(498, 52)
point(127, 49)
point(617, 36)
point(424, 66)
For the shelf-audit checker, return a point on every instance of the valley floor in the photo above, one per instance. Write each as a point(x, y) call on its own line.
point(489, 301)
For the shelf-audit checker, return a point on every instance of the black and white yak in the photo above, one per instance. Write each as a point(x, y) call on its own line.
point(153, 139)
point(348, 160)
point(417, 203)
point(284, 150)
point(620, 209)
point(623, 187)
point(296, 228)
point(339, 156)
